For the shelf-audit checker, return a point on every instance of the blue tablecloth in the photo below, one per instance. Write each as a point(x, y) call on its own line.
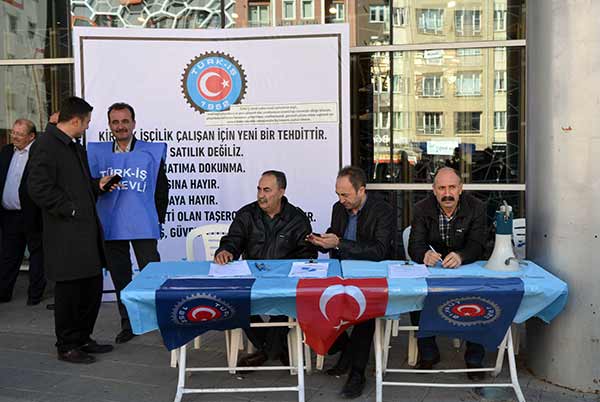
point(274, 293)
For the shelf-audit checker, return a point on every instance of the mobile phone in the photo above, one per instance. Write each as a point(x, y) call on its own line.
point(114, 180)
point(316, 234)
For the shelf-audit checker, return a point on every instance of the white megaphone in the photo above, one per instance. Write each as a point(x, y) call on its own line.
point(503, 257)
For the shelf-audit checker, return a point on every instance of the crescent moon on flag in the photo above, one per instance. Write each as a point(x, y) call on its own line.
point(203, 87)
point(335, 290)
point(203, 310)
point(475, 307)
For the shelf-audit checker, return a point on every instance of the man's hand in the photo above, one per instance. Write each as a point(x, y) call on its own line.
point(326, 240)
point(431, 258)
point(452, 260)
point(223, 257)
point(105, 180)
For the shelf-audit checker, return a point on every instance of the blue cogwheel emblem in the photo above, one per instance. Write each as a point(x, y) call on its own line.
point(201, 307)
point(213, 81)
point(469, 311)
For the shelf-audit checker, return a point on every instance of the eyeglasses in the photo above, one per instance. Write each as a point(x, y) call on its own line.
point(19, 135)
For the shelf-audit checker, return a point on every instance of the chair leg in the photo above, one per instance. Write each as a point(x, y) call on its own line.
point(174, 357)
point(320, 361)
point(233, 349)
point(197, 342)
point(307, 358)
point(387, 333)
point(395, 327)
point(291, 338)
point(413, 349)
point(516, 337)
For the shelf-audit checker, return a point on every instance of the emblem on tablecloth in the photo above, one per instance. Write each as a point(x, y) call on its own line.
point(469, 311)
point(201, 308)
point(213, 81)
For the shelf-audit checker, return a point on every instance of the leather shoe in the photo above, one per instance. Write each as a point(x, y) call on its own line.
point(475, 375)
point(354, 386)
point(76, 356)
point(428, 364)
point(253, 360)
point(50, 306)
point(95, 347)
point(124, 336)
point(33, 302)
point(343, 364)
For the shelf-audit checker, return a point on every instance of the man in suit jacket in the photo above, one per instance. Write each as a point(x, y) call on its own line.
point(60, 184)
point(16, 215)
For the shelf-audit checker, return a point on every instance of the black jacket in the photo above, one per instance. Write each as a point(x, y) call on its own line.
point(374, 232)
point(468, 231)
point(161, 192)
point(248, 237)
point(31, 213)
point(59, 183)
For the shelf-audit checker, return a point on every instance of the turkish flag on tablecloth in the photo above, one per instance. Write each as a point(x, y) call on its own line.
point(326, 307)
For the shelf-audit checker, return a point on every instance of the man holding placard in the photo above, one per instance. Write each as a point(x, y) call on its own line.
point(133, 213)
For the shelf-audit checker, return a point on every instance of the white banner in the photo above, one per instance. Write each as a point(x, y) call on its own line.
point(230, 104)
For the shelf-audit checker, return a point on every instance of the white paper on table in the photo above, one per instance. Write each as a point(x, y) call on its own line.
point(309, 269)
point(234, 268)
point(396, 271)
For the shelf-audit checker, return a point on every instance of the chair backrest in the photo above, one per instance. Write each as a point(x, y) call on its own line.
point(519, 237)
point(211, 236)
point(405, 237)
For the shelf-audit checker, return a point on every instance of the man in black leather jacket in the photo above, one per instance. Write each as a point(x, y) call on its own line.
point(361, 229)
point(269, 228)
point(448, 227)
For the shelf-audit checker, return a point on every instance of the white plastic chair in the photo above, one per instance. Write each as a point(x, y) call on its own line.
point(211, 236)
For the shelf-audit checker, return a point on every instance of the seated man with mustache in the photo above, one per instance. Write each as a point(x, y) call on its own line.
point(448, 227)
point(267, 229)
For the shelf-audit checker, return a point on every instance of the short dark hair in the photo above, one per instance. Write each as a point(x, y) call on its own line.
point(121, 106)
point(456, 172)
point(74, 107)
point(29, 124)
point(279, 176)
point(356, 175)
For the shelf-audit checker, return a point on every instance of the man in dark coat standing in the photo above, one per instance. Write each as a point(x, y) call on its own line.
point(16, 213)
point(362, 228)
point(60, 184)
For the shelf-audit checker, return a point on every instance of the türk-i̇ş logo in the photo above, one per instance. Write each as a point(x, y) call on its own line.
point(213, 81)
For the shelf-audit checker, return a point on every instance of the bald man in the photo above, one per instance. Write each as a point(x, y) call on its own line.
point(449, 229)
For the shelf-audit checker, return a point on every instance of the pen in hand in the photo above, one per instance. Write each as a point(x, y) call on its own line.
point(439, 255)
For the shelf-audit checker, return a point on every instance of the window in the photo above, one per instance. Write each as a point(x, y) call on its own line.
point(467, 122)
point(260, 15)
point(381, 84)
point(340, 12)
point(31, 30)
point(381, 120)
point(500, 121)
point(399, 84)
point(12, 23)
point(378, 14)
point(468, 52)
point(308, 9)
point(399, 16)
point(431, 20)
point(500, 81)
point(432, 85)
point(468, 84)
point(401, 120)
point(289, 9)
point(430, 122)
point(499, 17)
point(500, 54)
point(467, 22)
